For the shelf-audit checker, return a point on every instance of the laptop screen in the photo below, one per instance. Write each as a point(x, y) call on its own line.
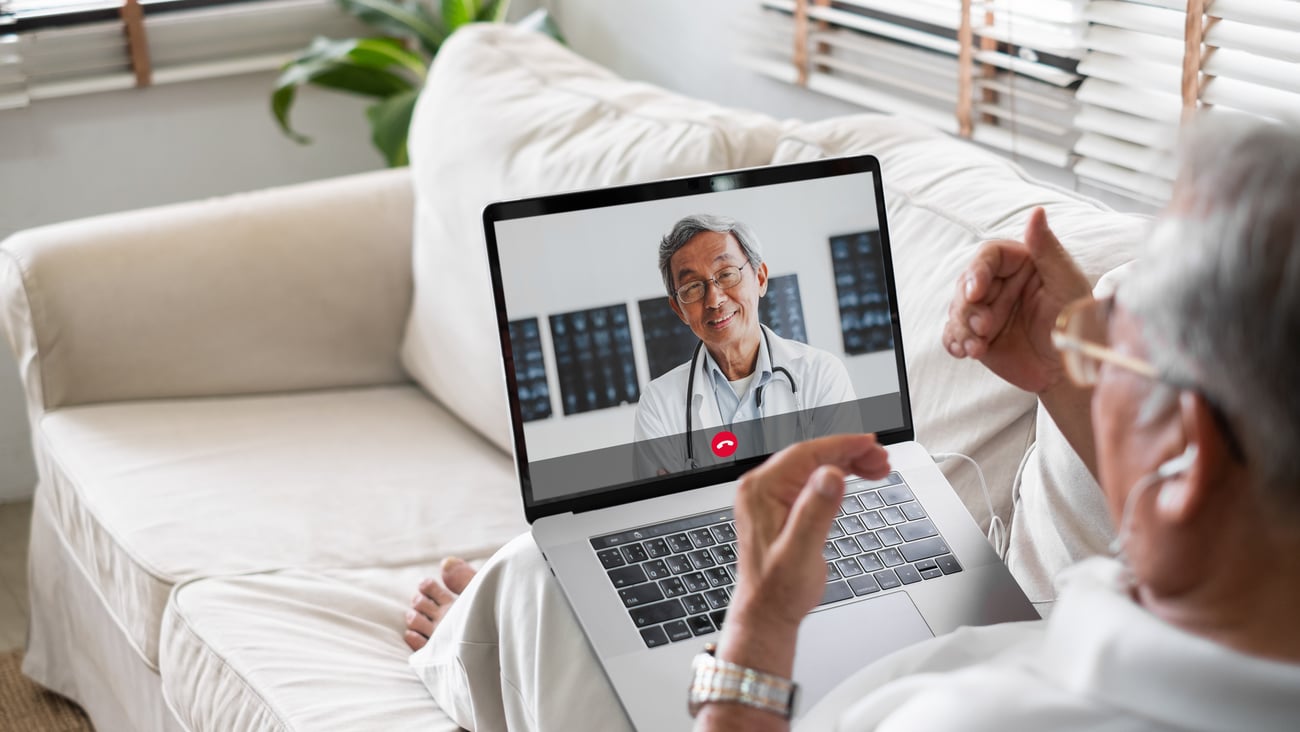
point(668, 335)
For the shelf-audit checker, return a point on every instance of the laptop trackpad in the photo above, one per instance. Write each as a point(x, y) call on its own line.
point(838, 642)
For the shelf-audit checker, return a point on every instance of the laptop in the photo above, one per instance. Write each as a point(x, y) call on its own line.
point(628, 466)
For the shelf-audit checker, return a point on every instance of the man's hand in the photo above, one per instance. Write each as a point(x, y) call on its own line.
point(1007, 301)
point(784, 510)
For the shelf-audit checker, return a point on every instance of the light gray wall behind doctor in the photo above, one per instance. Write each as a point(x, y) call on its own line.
point(68, 158)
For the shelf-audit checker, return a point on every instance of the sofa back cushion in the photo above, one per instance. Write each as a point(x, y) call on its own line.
point(943, 198)
point(506, 114)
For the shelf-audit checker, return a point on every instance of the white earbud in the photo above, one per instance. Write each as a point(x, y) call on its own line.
point(1178, 465)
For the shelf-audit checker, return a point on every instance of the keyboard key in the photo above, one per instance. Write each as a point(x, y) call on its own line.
point(869, 542)
point(656, 548)
point(627, 576)
point(641, 595)
point(918, 530)
point(836, 591)
point(659, 612)
point(679, 543)
point(832, 573)
point(717, 599)
point(869, 562)
point(913, 510)
point(725, 534)
point(677, 631)
point(864, 585)
point(924, 549)
point(891, 557)
point(695, 582)
point(873, 520)
point(848, 567)
point(850, 504)
point(717, 616)
point(829, 552)
point(887, 579)
point(889, 537)
point(848, 546)
point(654, 637)
point(717, 577)
point(655, 569)
point(701, 538)
point(896, 494)
point(931, 573)
point(700, 624)
point(723, 554)
point(948, 563)
point(695, 604)
point(835, 531)
point(892, 515)
point(853, 525)
point(907, 573)
point(925, 564)
point(634, 553)
point(678, 564)
point(734, 571)
point(871, 500)
point(610, 558)
point(701, 558)
point(672, 587)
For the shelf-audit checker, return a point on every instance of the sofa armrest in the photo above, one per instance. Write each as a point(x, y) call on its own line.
point(302, 287)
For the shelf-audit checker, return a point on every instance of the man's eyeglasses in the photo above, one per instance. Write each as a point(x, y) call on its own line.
point(725, 278)
point(1082, 336)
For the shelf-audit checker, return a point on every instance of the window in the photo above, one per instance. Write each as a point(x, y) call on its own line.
point(52, 48)
point(1097, 87)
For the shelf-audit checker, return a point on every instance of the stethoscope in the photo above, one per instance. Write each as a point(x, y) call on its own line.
point(758, 393)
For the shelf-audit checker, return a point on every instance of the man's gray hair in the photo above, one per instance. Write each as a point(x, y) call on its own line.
point(685, 229)
point(1218, 290)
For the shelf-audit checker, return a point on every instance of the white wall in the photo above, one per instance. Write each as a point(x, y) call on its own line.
point(68, 158)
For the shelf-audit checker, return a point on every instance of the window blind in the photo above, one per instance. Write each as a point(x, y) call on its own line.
point(182, 44)
point(1096, 87)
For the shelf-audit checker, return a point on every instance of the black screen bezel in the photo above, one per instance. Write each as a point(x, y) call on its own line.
point(653, 191)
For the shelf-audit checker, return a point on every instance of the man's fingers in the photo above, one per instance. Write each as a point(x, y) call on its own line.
point(786, 472)
point(1052, 261)
point(995, 260)
point(810, 519)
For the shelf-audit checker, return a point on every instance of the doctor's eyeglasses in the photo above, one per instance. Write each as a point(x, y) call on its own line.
point(726, 278)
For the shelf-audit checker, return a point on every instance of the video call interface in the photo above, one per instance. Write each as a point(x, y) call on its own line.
point(602, 358)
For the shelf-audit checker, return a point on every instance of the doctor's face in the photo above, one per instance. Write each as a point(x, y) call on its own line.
point(725, 320)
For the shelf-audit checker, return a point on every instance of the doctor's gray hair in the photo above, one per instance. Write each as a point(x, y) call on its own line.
point(1218, 291)
point(685, 229)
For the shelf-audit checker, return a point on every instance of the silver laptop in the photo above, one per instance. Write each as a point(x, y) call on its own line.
point(630, 435)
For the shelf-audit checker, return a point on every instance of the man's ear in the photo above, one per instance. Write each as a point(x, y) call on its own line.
point(672, 303)
point(761, 271)
point(1186, 493)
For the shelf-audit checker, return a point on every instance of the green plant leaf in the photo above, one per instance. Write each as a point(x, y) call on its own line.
point(493, 11)
point(456, 13)
point(390, 124)
point(540, 21)
point(408, 19)
point(356, 66)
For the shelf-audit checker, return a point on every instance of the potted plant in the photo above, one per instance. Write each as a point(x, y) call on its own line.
point(389, 68)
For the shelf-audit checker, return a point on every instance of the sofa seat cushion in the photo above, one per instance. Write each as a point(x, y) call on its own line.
point(151, 494)
point(505, 114)
point(296, 650)
point(944, 197)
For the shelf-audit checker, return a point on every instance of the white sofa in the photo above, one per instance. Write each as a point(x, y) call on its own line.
point(259, 420)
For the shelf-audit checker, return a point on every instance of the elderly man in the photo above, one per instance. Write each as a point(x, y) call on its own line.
point(740, 371)
point(1179, 394)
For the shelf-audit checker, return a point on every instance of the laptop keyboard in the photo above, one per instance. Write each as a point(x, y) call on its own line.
point(675, 578)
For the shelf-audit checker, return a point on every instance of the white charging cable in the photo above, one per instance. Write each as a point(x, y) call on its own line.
point(997, 535)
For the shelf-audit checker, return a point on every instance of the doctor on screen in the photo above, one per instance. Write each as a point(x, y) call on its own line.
point(713, 269)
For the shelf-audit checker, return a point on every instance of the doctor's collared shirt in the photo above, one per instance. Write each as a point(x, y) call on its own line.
point(1101, 662)
point(734, 407)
